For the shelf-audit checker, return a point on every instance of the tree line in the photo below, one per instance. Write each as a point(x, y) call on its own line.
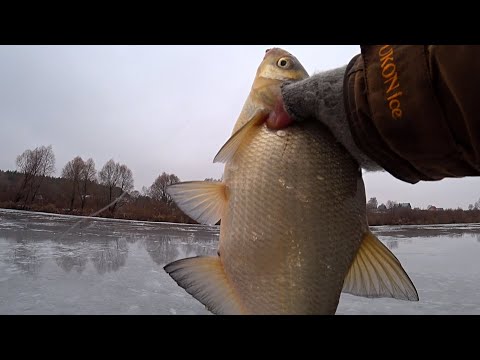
point(395, 213)
point(82, 190)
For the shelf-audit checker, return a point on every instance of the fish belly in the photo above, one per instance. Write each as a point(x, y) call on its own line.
point(294, 221)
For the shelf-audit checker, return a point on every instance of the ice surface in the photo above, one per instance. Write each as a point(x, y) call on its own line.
point(116, 266)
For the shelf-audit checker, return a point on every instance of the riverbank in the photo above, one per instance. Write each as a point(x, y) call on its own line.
point(152, 212)
point(155, 213)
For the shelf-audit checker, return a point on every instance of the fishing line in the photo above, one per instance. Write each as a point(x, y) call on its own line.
point(91, 216)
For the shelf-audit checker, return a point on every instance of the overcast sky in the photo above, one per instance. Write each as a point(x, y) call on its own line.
point(158, 108)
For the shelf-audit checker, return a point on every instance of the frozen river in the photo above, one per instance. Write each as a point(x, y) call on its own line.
point(116, 267)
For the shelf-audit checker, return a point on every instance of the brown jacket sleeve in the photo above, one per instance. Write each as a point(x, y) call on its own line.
point(414, 109)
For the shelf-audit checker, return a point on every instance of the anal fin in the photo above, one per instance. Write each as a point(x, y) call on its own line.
point(204, 278)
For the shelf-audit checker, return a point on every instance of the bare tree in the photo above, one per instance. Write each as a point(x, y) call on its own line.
point(87, 176)
point(477, 205)
point(48, 161)
point(47, 167)
point(372, 204)
point(125, 178)
point(158, 190)
point(72, 171)
point(109, 177)
point(115, 176)
point(135, 194)
point(145, 191)
point(35, 165)
point(391, 204)
point(27, 168)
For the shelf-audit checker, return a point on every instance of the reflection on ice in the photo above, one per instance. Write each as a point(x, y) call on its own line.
point(100, 267)
point(70, 261)
point(110, 257)
point(116, 267)
point(26, 257)
point(104, 244)
point(392, 244)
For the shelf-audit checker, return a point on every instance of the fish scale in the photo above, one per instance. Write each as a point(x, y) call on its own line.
point(267, 273)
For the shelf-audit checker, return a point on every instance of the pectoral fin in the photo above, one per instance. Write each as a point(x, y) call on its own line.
point(376, 272)
point(203, 201)
point(204, 278)
point(231, 146)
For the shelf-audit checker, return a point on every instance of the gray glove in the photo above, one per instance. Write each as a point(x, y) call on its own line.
point(321, 97)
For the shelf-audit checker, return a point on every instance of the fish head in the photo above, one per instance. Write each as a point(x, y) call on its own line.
point(277, 67)
point(280, 65)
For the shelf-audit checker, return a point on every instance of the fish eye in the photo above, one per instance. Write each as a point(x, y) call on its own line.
point(284, 63)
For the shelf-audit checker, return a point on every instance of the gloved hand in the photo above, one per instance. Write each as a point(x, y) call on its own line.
point(319, 97)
